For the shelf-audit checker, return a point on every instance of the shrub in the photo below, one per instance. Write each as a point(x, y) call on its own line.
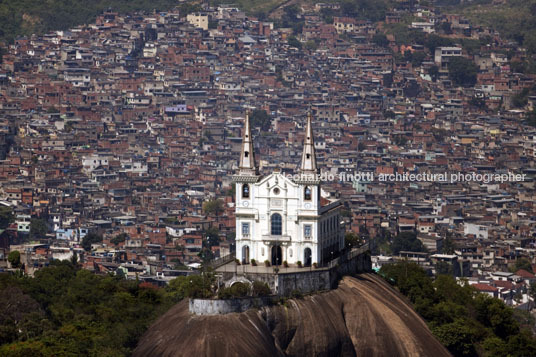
point(315, 265)
point(299, 264)
point(237, 290)
point(261, 289)
point(237, 262)
point(285, 264)
point(267, 263)
point(14, 259)
point(253, 262)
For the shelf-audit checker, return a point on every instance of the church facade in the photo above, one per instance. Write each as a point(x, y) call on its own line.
point(280, 219)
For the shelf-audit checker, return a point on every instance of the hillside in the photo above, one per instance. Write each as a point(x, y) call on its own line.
point(363, 316)
point(24, 17)
point(514, 19)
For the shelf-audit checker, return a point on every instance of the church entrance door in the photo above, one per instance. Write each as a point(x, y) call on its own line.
point(245, 254)
point(307, 257)
point(276, 255)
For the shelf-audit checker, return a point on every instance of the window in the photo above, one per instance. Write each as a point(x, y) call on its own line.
point(276, 224)
point(307, 231)
point(307, 193)
point(245, 229)
point(245, 190)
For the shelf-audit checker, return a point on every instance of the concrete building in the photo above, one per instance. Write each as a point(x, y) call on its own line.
point(443, 54)
point(198, 20)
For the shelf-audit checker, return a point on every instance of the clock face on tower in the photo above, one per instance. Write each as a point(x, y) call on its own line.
point(307, 205)
point(245, 203)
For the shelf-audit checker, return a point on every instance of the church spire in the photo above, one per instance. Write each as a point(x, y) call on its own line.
point(247, 156)
point(308, 163)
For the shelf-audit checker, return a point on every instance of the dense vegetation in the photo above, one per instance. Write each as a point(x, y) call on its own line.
point(24, 17)
point(384, 243)
point(65, 310)
point(514, 19)
point(468, 323)
point(68, 311)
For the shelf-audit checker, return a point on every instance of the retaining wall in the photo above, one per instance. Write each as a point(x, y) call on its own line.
point(221, 307)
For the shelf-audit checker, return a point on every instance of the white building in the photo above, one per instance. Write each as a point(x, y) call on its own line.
point(442, 55)
point(427, 27)
point(281, 219)
point(198, 20)
point(91, 162)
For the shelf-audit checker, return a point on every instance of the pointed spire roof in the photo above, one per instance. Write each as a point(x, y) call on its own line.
point(308, 162)
point(247, 155)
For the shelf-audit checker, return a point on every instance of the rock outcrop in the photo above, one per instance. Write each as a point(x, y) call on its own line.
point(364, 316)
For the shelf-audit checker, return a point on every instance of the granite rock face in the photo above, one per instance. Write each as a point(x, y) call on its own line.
point(364, 316)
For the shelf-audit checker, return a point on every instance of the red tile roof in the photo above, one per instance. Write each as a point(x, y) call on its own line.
point(485, 287)
point(525, 274)
point(503, 284)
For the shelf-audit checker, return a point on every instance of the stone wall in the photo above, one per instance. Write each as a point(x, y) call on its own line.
point(310, 280)
point(221, 307)
point(306, 282)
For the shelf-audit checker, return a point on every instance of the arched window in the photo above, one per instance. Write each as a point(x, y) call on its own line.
point(245, 190)
point(276, 224)
point(307, 193)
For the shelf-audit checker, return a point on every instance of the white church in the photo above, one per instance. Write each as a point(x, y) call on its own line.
point(279, 219)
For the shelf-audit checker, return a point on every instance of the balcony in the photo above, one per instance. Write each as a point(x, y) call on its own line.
point(273, 239)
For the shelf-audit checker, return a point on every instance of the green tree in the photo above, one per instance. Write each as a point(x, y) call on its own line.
point(311, 45)
point(463, 319)
point(433, 41)
point(410, 279)
point(462, 71)
point(433, 71)
point(6, 217)
point(212, 235)
point(448, 244)
point(380, 39)
point(38, 228)
point(293, 42)
point(479, 103)
point(351, 240)
point(520, 99)
point(444, 268)
point(14, 258)
point(74, 258)
point(530, 118)
point(407, 241)
point(213, 206)
point(236, 290)
point(193, 286)
point(90, 239)
point(232, 190)
point(457, 337)
point(259, 118)
point(523, 263)
point(532, 291)
point(495, 314)
point(67, 311)
point(260, 288)
point(120, 238)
